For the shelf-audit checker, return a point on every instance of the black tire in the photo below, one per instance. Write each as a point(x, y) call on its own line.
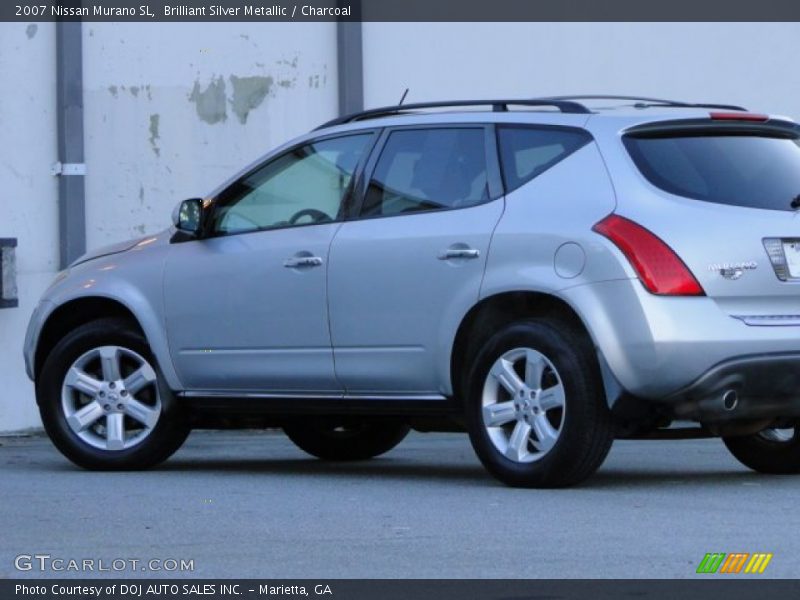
point(765, 452)
point(166, 436)
point(339, 438)
point(585, 425)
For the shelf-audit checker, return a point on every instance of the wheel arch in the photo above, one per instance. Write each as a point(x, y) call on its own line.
point(81, 310)
point(498, 310)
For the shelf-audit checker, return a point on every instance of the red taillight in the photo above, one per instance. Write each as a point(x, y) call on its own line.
point(738, 116)
point(661, 270)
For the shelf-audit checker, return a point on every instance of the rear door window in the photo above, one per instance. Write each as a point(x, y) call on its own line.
point(739, 170)
point(428, 169)
point(527, 152)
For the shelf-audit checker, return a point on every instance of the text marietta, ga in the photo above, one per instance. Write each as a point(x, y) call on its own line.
point(139, 590)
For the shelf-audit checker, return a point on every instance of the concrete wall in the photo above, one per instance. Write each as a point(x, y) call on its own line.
point(747, 63)
point(28, 201)
point(172, 109)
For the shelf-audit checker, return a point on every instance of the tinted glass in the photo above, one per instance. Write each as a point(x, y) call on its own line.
point(430, 169)
point(739, 170)
point(305, 185)
point(526, 152)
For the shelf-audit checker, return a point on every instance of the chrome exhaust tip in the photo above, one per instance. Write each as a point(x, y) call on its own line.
point(730, 400)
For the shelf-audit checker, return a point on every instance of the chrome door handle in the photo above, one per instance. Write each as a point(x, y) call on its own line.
point(302, 261)
point(451, 253)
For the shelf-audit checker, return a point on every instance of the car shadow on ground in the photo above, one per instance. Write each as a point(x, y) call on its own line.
point(388, 468)
point(384, 468)
point(17, 454)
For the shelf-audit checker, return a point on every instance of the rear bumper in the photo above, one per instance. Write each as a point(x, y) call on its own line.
point(668, 349)
point(748, 387)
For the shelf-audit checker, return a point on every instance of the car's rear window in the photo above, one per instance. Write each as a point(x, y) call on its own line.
point(739, 170)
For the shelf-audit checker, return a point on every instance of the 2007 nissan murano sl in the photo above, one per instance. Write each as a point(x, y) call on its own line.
point(546, 274)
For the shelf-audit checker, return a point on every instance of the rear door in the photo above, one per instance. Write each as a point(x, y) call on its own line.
point(405, 270)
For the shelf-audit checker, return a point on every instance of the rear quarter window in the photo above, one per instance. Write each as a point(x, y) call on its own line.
point(526, 152)
point(754, 171)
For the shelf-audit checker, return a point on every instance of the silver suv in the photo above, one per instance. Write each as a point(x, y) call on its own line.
point(547, 274)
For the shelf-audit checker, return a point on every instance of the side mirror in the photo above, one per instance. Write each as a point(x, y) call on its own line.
point(188, 219)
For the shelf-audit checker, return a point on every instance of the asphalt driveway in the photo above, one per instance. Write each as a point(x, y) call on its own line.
point(248, 504)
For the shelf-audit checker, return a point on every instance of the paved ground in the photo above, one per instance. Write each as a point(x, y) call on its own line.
point(250, 504)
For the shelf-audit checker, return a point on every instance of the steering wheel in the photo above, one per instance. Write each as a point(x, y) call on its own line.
point(317, 216)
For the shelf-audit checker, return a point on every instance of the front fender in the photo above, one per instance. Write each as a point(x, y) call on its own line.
point(132, 279)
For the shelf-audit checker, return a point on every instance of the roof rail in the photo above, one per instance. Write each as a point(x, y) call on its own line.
point(564, 105)
point(643, 102)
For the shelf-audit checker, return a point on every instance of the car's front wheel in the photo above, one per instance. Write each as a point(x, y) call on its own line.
point(103, 401)
point(536, 411)
point(775, 450)
point(341, 438)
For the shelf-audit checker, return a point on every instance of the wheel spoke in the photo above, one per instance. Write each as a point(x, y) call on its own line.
point(534, 369)
point(115, 431)
point(109, 359)
point(553, 397)
point(141, 412)
point(84, 417)
point(498, 414)
point(779, 435)
point(546, 435)
point(82, 382)
point(503, 372)
point(140, 378)
point(518, 442)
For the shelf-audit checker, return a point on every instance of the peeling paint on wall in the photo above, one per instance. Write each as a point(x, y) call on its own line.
point(249, 93)
point(209, 103)
point(31, 30)
point(134, 89)
point(113, 90)
point(154, 135)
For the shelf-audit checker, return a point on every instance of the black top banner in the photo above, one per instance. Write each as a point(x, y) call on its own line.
point(400, 10)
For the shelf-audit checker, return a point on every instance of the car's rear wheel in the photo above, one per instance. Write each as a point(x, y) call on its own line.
point(342, 438)
point(774, 450)
point(104, 402)
point(536, 411)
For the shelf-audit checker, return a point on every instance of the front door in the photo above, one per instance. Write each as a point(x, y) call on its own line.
point(246, 307)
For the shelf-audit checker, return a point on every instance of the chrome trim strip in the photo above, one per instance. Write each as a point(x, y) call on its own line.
point(312, 396)
point(769, 320)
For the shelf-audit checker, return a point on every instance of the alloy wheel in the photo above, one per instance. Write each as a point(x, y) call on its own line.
point(779, 435)
point(110, 398)
point(523, 405)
